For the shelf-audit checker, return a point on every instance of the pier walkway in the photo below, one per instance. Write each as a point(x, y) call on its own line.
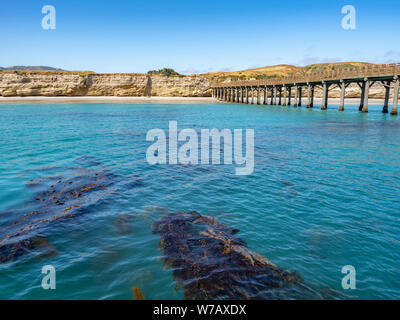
point(281, 91)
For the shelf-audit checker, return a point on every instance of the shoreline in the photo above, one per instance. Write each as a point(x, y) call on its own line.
point(106, 99)
point(154, 100)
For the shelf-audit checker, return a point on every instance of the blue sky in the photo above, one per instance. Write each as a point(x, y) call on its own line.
point(195, 36)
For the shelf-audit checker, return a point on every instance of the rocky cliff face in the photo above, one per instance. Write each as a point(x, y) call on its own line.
point(53, 83)
point(94, 84)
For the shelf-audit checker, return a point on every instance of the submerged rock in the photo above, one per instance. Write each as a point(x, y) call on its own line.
point(123, 224)
point(210, 262)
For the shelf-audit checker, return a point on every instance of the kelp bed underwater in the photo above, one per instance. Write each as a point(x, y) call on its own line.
point(208, 259)
point(210, 262)
point(59, 200)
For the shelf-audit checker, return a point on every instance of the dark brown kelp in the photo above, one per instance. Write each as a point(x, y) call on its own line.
point(210, 262)
point(58, 199)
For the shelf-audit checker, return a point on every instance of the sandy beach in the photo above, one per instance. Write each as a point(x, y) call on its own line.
point(152, 100)
point(106, 99)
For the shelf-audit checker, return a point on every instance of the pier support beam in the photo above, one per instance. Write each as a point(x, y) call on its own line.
point(242, 95)
point(312, 97)
point(280, 96)
point(247, 95)
point(366, 94)
point(395, 96)
point(258, 95)
point(284, 96)
point(308, 96)
point(342, 95)
point(272, 96)
point(362, 96)
point(265, 95)
point(325, 93)
point(296, 95)
point(387, 95)
point(252, 95)
point(300, 96)
point(289, 96)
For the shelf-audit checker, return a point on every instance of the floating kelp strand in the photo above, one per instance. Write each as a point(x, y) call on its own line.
point(210, 262)
point(63, 199)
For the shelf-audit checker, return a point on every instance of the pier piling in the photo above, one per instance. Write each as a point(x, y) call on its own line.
point(280, 96)
point(395, 97)
point(300, 95)
point(271, 100)
point(325, 93)
point(274, 96)
point(265, 95)
point(284, 96)
point(387, 95)
point(342, 95)
point(366, 94)
point(362, 86)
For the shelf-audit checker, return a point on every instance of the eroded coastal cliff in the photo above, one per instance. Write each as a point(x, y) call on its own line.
point(30, 83)
point(24, 82)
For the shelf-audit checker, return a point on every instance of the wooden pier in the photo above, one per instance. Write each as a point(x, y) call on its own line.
point(280, 91)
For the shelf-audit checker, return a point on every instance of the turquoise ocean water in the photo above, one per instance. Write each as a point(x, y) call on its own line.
point(325, 193)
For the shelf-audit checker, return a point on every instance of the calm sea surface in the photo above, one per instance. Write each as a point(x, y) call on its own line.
point(325, 193)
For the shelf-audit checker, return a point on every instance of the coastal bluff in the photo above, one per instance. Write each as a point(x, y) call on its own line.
point(70, 83)
point(53, 83)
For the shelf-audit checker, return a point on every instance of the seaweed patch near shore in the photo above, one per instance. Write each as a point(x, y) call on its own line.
point(59, 199)
point(210, 262)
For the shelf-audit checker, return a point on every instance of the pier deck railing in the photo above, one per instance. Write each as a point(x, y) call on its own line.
point(381, 71)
